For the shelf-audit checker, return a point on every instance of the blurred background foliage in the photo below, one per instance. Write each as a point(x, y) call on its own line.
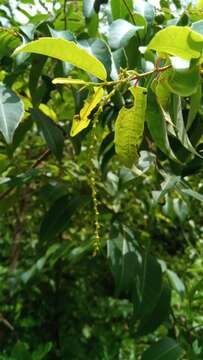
point(57, 300)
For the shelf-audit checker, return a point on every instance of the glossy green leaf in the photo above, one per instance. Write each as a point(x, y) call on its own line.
point(88, 8)
point(159, 314)
point(62, 34)
point(120, 33)
point(52, 134)
point(123, 257)
point(194, 106)
point(11, 113)
point(81, 122)
point(100, 49)
point(165, 349)
point(129, 127)
point(57, 218)
point(148, 293)
point(65, 50)
point(178, 41)
point(157, 127)
point(145, 9)
point(183, 83)
point(177, 118)
point(198, 27)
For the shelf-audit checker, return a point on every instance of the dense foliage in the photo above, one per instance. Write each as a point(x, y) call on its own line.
point(101, 139)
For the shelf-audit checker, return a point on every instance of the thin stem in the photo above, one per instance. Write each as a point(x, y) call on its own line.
point(131, 77)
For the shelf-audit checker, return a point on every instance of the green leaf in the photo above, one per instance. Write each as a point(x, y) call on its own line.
point(157, 127)
point(159, 314)
point(123, 256)
point(52, 134)
point(69, 81)
point(57, 219)
point(176, 282)
point(183, 83)
point(62, 34)
point(120, 33)
point(92, 24)
point(38, 63)
point(165, 349)
point(169, 184)
point(179, 41)
point(162, 92)
point(65, 50)
point(88, 8)
point(42, 351)
point(9, 40)
point(192, 193)
point(177, 117)
point(20, 351)
point(145, 9)
point(119, 9)
point(100, 49)
point(198, 27)
point(11, 113)
point(129, 127)
point(82, 121)
point(194, 106)
point(199, 5)
point(147, 294)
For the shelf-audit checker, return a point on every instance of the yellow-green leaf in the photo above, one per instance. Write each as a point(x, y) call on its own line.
point(82, 121)
point(129, 127)
point(48, 112)
point(179, 41)
point(162, 92)
point(65, 50)
point(69, 81)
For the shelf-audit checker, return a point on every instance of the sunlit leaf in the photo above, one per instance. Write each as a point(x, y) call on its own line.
point(129, 127)
point(65, 50)
point(119, 9)
point(179, 41)
point(69, 81)
point(81, 121)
